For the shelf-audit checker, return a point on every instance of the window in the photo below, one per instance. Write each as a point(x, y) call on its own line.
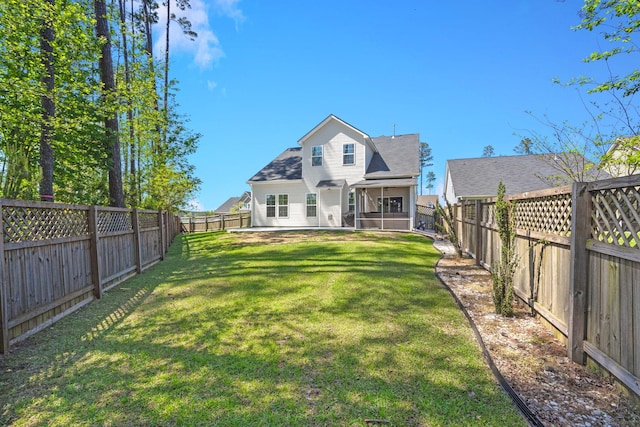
point(271, 205)
point(352, 201)
point(390, 204)
point(283, 205)
point(312, 205)
point(348, 154)
point(316, 155)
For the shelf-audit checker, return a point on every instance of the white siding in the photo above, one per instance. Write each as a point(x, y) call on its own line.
point(331, 137)
point(330, 208)
point(449, 191)
point(296, 191)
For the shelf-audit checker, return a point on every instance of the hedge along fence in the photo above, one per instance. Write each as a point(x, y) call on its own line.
point(56, 258)
point(579, 265)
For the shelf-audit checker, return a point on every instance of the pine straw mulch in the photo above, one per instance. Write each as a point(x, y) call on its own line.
point(532, 360)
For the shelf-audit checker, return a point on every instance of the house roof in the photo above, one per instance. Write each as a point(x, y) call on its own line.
point(396, 156)
point(378, 183)
point(426, 199)
point(479, 177)
point(331, 183)
point(233, 201)
point(287, 166)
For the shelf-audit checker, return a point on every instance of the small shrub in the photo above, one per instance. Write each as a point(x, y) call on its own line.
point(503, 271)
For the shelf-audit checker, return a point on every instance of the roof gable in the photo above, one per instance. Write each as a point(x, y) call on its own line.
point(327, 120)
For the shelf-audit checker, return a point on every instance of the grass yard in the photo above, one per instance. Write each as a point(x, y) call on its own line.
point(269, 329)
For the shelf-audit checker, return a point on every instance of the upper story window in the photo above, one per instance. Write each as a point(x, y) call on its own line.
point(348, 154)
point(316, 155)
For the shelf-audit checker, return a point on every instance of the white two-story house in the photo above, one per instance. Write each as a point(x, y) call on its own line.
point(338, 176)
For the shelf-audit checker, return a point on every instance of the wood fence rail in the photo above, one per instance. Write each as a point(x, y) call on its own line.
point(198, 224)
point(578, 249)
point(56, 258)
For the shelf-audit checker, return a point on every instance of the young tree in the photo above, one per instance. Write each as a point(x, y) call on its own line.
point(525, 146)
point(431, 179)
point(488, 151)
point(426, 159)
point(503, 271)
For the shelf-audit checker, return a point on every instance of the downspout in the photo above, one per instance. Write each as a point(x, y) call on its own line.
point(319, 206)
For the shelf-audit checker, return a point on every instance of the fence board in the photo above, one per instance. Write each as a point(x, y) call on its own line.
point(579, 249)
point(54, 255)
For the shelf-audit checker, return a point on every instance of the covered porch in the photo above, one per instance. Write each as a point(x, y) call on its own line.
point(385, 204)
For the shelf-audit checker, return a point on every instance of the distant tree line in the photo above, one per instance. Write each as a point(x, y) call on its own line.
point(87, 114)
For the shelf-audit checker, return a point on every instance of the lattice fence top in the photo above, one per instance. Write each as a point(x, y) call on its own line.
point(148, 219)
point(114, 221)
point(28, 224)
point(488, 213)
point(548, 214)
point(425, 210)
point(615, 217)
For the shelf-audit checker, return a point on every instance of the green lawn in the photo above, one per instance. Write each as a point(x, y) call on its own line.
point(293, 329)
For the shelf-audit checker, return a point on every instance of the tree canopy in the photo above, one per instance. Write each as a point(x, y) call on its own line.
point(81, 127)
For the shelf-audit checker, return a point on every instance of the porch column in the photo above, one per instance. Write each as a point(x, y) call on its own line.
point(382, 208)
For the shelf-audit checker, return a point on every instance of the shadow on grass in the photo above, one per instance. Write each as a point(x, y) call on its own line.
point(234, 332)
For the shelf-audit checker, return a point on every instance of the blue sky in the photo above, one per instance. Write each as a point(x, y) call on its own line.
point(462, 74)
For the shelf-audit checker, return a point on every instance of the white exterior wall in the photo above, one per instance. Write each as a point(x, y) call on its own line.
point(331, 137)
point(449, 193)
point(297, 192)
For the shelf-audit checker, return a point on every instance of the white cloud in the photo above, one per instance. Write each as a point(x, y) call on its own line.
point(206, 48)
point(211, 85)
point(229, 8)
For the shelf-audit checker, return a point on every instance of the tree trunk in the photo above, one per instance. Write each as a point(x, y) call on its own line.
point(127, 78)
point(116, 194)
point(48, 106)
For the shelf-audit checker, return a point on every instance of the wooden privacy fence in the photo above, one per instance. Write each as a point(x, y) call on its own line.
point(198, 224)
point(55, 258)
point(578, 250)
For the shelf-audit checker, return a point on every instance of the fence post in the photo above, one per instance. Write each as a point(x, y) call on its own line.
point(135, 222)
point(580, 231)
point(4, 289)
point(94, 251)
point(160, 224)
point(478, 239)
point(222, 222)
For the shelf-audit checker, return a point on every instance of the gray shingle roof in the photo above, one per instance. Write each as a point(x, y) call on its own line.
point(233, 201)
point(479, 177)
point(397, 156)
point(287, 166)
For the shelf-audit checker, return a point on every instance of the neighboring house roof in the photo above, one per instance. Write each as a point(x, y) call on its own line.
point(287, 166)
point(233, 201)
point(479, 177)
point(428, 200)
point(395, 157)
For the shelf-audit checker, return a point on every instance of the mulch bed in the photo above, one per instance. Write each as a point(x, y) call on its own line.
point(532, 360)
